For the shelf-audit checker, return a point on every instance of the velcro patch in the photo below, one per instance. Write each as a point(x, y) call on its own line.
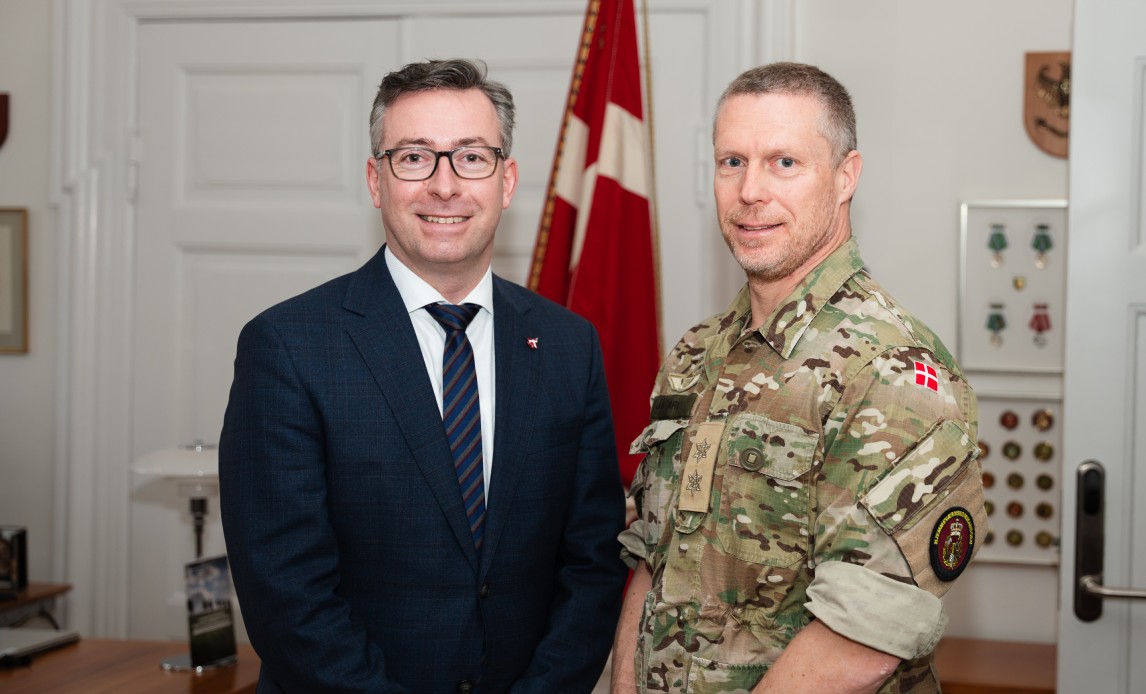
point(673, 406)
point(952, 540)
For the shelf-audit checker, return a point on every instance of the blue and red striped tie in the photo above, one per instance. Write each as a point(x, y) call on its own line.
point(461, 415)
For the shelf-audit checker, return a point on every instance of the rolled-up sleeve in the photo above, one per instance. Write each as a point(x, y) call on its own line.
point(900, 458)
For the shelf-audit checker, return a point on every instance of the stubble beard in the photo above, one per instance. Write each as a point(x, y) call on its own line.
point(773, 259)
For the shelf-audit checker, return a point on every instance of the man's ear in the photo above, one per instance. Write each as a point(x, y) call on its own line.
point(848, 175)
point(508, 181)
point(372, 182)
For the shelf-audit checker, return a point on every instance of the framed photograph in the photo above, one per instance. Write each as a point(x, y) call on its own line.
point(1012, 285)
point(210, 618)
point(13, 279)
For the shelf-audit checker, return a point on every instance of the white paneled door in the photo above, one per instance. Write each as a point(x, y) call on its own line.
point(1102, 641)
point(249, 167)
point(251, 154)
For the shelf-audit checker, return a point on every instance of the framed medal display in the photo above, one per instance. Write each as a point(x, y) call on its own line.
point(1012, 285)
point(1020, 440)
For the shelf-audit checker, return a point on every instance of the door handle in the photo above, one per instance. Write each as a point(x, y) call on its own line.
point(1089, 540)
point(1093, 585)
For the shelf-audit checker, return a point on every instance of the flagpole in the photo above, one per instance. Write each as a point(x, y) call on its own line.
point(648, 71)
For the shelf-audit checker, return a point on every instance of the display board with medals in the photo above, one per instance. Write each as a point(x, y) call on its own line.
point(1020, 441)
point(1012, 285)
point(1012, 294)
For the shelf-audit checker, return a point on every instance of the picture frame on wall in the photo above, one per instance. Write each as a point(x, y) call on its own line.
point(13, 280)
point(1012, 285)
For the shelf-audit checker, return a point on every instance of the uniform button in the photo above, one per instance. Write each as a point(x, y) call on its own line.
point(483, 592)
point(465, 687)
point(752, 459)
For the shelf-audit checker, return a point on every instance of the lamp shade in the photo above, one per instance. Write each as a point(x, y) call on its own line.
point(195, 460)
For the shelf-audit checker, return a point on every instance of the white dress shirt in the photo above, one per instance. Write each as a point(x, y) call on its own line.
point(416, 293)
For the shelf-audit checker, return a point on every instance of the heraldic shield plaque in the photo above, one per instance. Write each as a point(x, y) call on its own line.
point(1046, 101)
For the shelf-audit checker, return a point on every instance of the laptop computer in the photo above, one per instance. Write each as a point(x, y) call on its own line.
point(27, 642)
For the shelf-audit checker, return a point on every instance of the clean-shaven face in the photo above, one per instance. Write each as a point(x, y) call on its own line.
point(444, 223)
point(780, 198)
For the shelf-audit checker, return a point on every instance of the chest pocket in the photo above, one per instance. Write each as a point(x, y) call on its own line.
point(654, 482)
point(764, 495)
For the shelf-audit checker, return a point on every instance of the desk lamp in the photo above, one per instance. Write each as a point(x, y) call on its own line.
point(195, 466)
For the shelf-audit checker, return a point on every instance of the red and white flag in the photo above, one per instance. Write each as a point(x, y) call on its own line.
point(596, 246)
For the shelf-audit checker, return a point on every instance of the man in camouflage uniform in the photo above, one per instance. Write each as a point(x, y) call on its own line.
point(811, 482)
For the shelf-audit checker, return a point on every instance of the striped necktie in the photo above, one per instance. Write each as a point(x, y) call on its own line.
point(461, 415)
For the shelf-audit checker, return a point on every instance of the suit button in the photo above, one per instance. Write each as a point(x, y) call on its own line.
point(483, 592)
point(465, 687)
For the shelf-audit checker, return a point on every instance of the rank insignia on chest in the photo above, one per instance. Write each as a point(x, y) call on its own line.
point(951, 543)
point(696, 478)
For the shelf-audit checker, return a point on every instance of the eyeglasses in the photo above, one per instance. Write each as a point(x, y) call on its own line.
point(420, 163)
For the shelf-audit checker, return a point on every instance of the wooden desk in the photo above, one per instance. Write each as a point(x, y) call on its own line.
point(35, 600)
point(974, 666)
point(106, 666)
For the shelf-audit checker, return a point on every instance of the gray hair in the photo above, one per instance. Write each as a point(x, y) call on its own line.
point(454, 74)
point(838, 119)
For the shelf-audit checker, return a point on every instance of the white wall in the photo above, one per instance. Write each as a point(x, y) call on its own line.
point(938, 93)
point(937, 87)
point(28, 381)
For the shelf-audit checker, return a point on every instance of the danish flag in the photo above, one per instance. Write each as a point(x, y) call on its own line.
point(926, 376)
point(596, 244)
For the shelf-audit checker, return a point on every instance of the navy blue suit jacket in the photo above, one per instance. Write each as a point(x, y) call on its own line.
point(349, 545)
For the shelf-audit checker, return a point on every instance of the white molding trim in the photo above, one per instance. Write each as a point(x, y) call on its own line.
point(95, 287)
point(776, 32)
point(94, 112)
point(767, 31)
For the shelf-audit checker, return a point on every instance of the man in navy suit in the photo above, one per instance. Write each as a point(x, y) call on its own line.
point(359, 562)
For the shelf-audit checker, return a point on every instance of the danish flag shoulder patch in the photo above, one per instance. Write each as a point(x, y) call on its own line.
point(926, 376)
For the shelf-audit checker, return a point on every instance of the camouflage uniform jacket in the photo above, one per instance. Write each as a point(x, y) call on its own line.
point(842, 484)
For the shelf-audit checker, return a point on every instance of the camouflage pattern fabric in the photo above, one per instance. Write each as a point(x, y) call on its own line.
point(833, 450)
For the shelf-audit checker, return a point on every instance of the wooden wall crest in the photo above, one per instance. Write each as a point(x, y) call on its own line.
point(1046, 104)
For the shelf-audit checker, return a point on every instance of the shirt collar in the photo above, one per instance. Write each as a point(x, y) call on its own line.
point(416, 292)
point(787, 323)
point(792, 317)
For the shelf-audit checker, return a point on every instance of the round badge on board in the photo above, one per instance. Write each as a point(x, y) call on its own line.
point(952, 540)
point(1043, 419)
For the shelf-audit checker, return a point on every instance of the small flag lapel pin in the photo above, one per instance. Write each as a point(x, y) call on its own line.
point(532, 342)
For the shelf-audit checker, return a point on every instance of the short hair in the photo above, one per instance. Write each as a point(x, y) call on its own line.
point(453, 74)
point(838, 120)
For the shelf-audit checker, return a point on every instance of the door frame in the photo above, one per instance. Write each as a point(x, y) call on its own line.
point(1106, 329)
point(95, 163)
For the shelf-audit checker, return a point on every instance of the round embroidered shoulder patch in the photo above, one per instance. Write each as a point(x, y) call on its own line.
point(951, 543)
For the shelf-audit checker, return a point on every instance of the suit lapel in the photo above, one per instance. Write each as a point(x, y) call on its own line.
point(385, 338)
point(518, 371)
